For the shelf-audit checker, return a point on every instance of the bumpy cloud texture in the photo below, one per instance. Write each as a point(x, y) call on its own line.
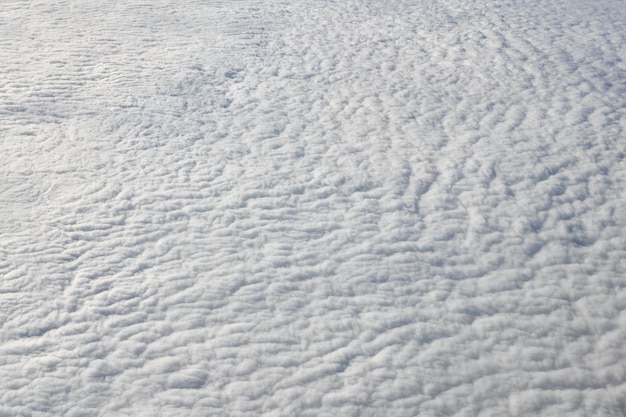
point(355, 208)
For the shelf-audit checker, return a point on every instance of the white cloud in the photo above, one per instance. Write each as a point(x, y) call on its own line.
point(356, 208)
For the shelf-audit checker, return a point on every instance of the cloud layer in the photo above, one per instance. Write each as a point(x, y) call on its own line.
point(359, 208)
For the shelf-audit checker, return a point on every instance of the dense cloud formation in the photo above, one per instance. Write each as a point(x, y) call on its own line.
point(312, 208)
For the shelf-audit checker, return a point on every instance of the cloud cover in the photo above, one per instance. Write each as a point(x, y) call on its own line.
point(356, 208)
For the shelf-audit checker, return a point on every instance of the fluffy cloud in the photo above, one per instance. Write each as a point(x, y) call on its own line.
point(356, 208)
